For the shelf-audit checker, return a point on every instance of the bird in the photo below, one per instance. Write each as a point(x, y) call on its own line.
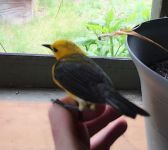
point(85, 81)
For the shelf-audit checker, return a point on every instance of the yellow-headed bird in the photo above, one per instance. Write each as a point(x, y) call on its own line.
point(82, 79)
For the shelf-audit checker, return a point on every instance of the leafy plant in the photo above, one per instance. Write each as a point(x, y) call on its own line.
point(110, 22)
point(109, 46)
point(48, 25)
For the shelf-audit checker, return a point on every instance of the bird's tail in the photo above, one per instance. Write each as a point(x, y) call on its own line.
point(126, 107)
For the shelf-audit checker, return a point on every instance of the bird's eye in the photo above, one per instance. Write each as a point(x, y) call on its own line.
point(55, 50)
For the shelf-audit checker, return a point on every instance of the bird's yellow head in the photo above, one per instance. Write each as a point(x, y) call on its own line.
point(63, 48)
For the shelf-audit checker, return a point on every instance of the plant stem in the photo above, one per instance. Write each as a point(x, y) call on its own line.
point(111, 46)
point(116, 53)
point(59, 7)
point(3, 48)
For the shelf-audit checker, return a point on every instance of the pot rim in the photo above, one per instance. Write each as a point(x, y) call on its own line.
point(139, 62)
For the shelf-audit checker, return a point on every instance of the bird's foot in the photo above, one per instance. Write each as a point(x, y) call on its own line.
point(67, 106)
point(72, 108)
point(86, 105)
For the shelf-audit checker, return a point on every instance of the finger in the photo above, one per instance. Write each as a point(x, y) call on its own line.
point(60, 121)
point(92, 114)
point(86, 114)
point(70, 105)
point(68, 100)
point(107, 136)
point(65, 129)
point(101, 121)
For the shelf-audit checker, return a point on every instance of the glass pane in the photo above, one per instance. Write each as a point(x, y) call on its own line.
point(26, 25)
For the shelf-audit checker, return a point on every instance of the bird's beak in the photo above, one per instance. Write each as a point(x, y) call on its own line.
point(47, 45)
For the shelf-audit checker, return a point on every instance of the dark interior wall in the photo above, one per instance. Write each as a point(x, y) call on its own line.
point(164, 8)
point(159, 9)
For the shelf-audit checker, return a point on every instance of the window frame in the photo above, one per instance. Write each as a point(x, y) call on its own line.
point(34, 71)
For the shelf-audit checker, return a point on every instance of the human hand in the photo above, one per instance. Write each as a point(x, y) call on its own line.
point(97, 131)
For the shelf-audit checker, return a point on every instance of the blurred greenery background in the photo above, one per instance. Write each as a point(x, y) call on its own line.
point(78, 20)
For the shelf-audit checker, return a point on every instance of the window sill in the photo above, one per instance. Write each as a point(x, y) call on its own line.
point(34, 71)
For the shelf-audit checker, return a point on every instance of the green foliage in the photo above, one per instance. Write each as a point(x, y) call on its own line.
point(110, 22)
point(76, 20)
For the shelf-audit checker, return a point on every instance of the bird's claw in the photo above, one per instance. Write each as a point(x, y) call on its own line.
point(69, 107)
point(66, 106)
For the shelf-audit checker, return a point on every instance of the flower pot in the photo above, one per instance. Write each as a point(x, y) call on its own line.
point(154, 87)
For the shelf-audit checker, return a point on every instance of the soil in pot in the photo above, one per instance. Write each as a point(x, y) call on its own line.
point(161, 68)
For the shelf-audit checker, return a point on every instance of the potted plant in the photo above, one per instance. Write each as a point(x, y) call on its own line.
point(154, 86)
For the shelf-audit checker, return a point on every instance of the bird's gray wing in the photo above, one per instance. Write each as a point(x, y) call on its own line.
point(82, 77)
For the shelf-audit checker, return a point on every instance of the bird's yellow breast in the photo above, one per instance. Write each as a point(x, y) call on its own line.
point(53, 77)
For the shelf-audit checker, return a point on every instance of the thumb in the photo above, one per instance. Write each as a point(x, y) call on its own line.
point(65, 129)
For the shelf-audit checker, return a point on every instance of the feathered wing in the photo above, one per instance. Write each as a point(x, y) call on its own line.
point(125, 106)
point(80, 76)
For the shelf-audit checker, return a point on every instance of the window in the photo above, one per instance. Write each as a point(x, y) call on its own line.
point(25, 25)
